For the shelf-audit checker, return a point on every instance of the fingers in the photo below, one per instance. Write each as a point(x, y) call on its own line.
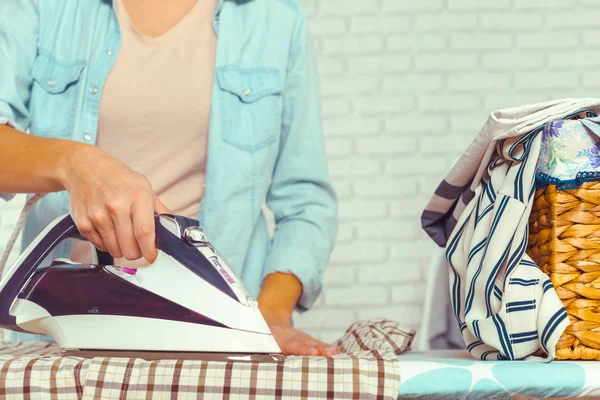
point(159, 207)
point(87, 230)
point(124, 232)
point(104, 225)
point(295, 342)
point(300, 349)
point(143, 226)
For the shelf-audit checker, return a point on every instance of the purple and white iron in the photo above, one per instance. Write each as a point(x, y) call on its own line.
point(188, 304)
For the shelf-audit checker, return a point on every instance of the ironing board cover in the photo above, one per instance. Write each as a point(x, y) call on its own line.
point(368, 368)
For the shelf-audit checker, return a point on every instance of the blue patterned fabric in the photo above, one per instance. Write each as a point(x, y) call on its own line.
point(457, 376)
point(570, 153)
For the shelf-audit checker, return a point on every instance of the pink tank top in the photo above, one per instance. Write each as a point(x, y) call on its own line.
point(155, 107)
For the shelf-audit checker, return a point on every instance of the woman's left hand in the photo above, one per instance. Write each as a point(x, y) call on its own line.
point(297, 343)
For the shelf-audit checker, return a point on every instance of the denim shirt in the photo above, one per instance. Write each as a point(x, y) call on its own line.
point(265, 137)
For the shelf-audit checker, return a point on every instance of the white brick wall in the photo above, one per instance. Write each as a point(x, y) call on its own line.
point(406, 85)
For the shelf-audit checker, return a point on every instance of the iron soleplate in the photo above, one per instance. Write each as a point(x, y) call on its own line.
point(176, 355)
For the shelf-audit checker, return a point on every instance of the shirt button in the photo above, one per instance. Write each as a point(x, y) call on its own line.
point(247, 92)
point(87, 137)
point(51, 83)
point(94, 90)
point(109, 52)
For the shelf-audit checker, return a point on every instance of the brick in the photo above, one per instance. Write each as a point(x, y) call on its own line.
point(446, 21)
point(540, 80)
point(471, 124)
point(428, 184)
point(345, 233)
point(478, 4)
point(478, 81)
point(416, 41)
point(352, 125)
point(380, 24)
point(413, 207)
point(348, 85)
point(591, 38)
point(454, 102)
point(378, 64)
point(445, 61)
point(335, 106)
point(574, 59)
point(411, 82)
point(328, 27)
point(415, 252)
point(591, 80)
point(450, 144)
point(345, 7)
point(352, 45)
point(398, 187)
point(469, 41)
point(339, 276)
point(552, 40)
point(572, 18)
point(518, 21)
point(383, 103)
point(343, 189)
point(500, 100)
point(354, 167)
point(387, 145)
point(400, 5)
point(331, 66)
point(408, 294)
point(356, 296)
point(383, 230)
point(358, 253)
point(544, 4)
point(336, 147)
point(324, 318)
point(588, 92)
point(409, 315)
point(415, 123)
point(512, 60)
point(390, 273)
point(309, 7)
point(419, 164)
point(356, 209)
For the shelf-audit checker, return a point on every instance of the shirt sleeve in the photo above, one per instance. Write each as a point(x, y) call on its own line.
point(18, 49)
point(301, 195)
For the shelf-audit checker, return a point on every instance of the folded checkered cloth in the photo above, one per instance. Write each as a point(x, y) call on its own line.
point(366, 368)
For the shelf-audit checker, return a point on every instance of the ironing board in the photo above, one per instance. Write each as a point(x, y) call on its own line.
point(455, 374)
point(367, 369)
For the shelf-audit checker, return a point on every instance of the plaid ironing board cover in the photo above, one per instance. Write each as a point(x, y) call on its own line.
point(367, 368)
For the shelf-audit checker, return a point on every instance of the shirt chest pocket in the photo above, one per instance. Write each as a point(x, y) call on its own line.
point(250, 105)
point(54, 96)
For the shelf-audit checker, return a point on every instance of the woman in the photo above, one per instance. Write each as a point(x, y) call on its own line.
point(120, 97)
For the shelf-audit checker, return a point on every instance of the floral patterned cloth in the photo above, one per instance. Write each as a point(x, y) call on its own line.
point(569, 147)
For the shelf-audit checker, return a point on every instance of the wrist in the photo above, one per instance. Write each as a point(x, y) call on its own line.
point(67, 152)
point(278, 297)
point(274, 314)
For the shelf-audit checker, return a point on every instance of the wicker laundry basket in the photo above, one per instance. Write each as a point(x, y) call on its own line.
point(564, 241)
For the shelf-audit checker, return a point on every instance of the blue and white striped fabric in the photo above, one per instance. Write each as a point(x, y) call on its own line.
point(506, 307)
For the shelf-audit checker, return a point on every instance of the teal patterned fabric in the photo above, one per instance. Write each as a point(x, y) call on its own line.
point(455, 375)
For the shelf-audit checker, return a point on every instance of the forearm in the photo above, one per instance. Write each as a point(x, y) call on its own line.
point(31, 164)
point(279, 296)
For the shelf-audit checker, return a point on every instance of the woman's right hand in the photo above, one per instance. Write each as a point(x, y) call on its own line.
point(112, 206)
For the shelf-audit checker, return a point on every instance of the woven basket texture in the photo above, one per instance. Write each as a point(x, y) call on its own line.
point(564, 241)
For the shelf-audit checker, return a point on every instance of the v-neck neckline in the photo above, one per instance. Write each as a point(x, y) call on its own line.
point(165, 36)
